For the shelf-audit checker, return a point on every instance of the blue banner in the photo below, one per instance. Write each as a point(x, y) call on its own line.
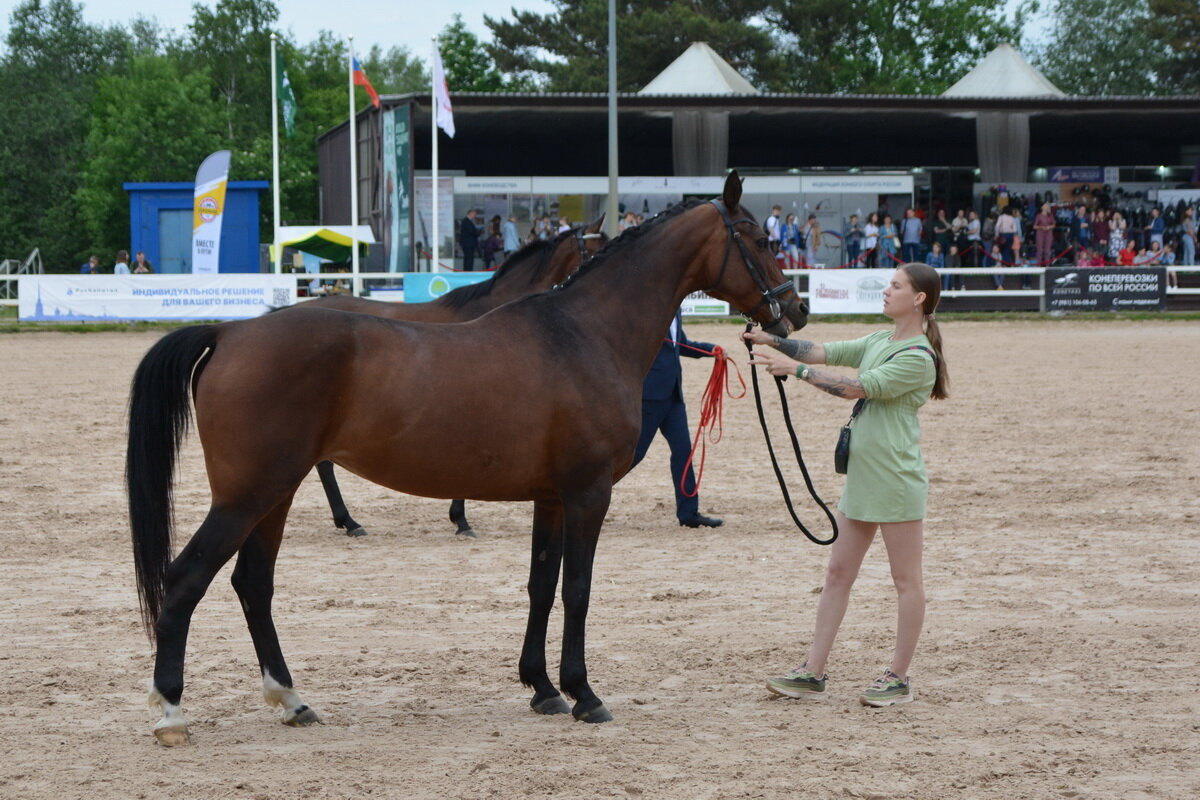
point(421, 287)
point(1075, 174)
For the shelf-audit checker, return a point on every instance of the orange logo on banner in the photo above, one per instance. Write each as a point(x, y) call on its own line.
point(208, 206)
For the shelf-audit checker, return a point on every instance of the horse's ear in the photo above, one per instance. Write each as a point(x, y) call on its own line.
point(597, 225)
point(732, 194)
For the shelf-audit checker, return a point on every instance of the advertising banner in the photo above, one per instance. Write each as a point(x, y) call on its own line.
point(847, 291)
point(207, 209)
point(698, 304)
point(109, 298)
point(1075, 174)
point(1104, 289)
point(421, 287)
point(397, 200)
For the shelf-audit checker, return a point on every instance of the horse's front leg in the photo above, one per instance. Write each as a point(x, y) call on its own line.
point(543, 580)
point(583, 517)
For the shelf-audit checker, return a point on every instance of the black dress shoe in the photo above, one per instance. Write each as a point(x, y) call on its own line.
point(701, 520)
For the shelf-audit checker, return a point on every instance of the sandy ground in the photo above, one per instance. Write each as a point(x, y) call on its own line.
point(1059, 658)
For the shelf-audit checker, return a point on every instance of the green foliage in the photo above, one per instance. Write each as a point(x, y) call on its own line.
point(1175, 26)
point(397, 71)
point(469, 66)
point(567, 49)
point(1103, 47)
point(150, 124)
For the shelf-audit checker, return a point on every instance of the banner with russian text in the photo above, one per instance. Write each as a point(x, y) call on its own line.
point(207, 210)
point(119, 298)
point(847, 291)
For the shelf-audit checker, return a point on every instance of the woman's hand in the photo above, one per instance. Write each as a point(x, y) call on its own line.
point(775, 363)
point(758, 336)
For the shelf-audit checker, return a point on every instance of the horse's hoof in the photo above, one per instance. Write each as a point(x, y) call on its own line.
point(356, 532)
point(301, 717)
point(596, 714)
point(466, 533)
point(555, 704)
point(172, 735)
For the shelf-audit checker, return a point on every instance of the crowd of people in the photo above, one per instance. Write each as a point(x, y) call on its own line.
point(140, 265)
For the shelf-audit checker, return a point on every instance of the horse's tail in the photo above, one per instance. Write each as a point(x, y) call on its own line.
point(159, 415)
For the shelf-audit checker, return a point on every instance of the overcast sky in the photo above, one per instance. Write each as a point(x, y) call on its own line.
point(408, 23)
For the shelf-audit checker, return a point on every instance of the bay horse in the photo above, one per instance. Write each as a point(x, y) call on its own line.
point(534, 268)
point(540, 401)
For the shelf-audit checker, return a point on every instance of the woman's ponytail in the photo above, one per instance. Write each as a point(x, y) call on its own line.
point(925, 279)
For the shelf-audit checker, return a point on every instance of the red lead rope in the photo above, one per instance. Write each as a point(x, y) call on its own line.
point(711, 409)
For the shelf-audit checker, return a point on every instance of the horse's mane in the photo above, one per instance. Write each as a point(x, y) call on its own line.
point(627, 236)
point(540, 249)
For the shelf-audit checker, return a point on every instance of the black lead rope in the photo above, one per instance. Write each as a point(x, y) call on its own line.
point(787, 416)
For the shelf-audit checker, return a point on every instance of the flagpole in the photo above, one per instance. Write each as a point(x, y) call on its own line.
point(356, 289)
point(275, 156)
point(434, 264)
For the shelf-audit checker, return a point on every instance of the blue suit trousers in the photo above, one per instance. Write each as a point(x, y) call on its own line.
point(670, 417)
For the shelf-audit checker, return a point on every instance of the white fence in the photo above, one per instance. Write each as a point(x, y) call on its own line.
point(8, 292)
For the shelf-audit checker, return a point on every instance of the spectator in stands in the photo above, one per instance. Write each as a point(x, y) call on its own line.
point(629, 221)
point(1081, 228)
point(994, 259)
point(543, 229)
point(512, 238)
point(889, 242)
point(494, 243)
point(988, 235)
point(910, 234)
point(936, 260)
point(972, 251)
point(790, 242)
point(1168, 260)
point(1043, 232)
point(954, 261)
point(871, 240)
point(812, 240)
point(1128, 254)
point(772, 227)
point(564, 224)
point(141, 266)
point(941, 230)
point(1116, 237)
point(1156, 227)
point(1187, 237)
point(122, 265)
point(468, 240)
point(91, 266)
point(958, 231)
point(1006, 234)
point(1101, 231)
point(853, 238)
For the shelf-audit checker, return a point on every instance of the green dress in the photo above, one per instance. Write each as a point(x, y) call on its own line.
point(885, 478)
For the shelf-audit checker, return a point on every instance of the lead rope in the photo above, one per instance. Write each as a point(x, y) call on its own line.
point(787, 416)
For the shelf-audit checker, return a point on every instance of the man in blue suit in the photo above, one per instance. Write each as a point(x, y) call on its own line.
point(663, 410)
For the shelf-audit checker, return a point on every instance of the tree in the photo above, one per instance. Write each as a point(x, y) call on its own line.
point(231, 41)
point(887, 46)
point(1175, 24)
point(47, 77)
point(1102, 47)
point(397, 71)
point(567, 49)
point(469, 65)
point(151, 124)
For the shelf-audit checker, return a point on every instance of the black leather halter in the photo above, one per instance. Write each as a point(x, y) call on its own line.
point(581, 237)
point(770, 297)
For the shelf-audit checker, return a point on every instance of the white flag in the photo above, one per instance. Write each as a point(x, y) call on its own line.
point(441, 95)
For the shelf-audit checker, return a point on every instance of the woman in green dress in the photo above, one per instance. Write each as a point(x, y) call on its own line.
point(886, 485)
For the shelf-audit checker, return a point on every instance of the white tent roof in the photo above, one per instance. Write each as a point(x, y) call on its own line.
point(699, 71)
point(1004, 73)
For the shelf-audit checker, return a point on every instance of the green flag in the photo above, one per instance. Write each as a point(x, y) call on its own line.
point(287, 100)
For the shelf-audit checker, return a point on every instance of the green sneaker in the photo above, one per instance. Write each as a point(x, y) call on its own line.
point(799, 683)
point(887, 690)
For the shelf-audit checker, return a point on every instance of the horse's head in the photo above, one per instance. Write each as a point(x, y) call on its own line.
point(742, 270)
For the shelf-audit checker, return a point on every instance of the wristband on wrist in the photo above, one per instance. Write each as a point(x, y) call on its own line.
point(802, 371)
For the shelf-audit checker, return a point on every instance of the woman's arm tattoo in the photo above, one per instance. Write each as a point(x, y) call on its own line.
point(792, 348)
point(836, 385)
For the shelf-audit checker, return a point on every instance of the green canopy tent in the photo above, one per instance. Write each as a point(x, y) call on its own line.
point(327, 242)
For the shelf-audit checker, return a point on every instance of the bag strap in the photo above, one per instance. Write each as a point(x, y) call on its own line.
point(862, 401)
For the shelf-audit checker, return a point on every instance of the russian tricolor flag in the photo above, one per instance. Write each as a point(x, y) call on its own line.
point(360, 79)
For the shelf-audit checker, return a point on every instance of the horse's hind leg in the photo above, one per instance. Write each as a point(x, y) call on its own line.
point(254, 581)
point(188, 578)
point(341, 514)
point(458, 515)
point(543, 580)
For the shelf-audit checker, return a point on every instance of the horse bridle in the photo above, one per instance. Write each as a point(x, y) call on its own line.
point(581, 238)
point(770, 297)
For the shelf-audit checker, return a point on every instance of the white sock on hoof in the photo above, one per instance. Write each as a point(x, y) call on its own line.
point(276, 694)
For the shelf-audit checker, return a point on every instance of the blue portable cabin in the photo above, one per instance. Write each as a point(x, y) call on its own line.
point(160, 224)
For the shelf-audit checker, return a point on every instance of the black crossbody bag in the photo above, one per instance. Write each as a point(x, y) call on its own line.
point(841, 453)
